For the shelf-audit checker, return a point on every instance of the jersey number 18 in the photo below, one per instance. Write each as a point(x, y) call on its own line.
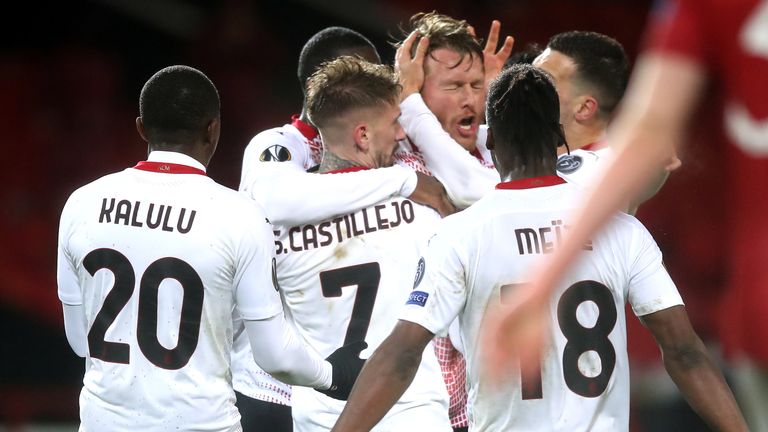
point(581, 339)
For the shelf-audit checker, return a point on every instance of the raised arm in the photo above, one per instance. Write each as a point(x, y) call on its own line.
point(385, 377)
point(465, 179)
point(688, 363)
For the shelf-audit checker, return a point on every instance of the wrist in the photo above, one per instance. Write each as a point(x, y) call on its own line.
point(407, 91)
point(326, 379)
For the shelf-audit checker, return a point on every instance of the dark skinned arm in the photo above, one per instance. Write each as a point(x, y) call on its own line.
point(385, 377)
point(688, 363)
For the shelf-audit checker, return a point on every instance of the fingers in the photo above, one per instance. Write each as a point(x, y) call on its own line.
point(506, 49)
point(404, 52)
point(493, 37)
point(421, 51)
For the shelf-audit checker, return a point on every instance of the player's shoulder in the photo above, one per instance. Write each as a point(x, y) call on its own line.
point(107, 182)
point(626, 226)
point(462, 224)
point(234, 204)
point(578, 160)
point(277, 144)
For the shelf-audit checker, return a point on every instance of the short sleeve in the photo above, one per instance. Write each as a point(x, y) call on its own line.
point(651, 289)
point(255, 278)
point(66, 269)
point(439, 291)
point(267, 149)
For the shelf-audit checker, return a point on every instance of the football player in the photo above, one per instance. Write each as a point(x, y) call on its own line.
point(152, 262)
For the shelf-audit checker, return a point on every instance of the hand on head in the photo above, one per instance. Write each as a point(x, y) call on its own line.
point(410, 69)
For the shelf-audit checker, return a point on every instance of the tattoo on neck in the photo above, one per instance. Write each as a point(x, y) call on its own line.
point(331, 162)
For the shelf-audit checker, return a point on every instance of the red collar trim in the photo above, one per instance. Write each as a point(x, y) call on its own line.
point(306, 129)
point(348, 170)
point(530, 183)
point(168, 168)
point(597, 145)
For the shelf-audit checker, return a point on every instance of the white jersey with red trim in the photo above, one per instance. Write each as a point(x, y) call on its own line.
point(584, 381)
point(297, 143)
point(467, 177)
point(273, 174)
point(343, 280)
point(159, 257)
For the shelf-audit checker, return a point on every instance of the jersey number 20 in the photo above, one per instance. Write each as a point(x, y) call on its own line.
point(146, 322)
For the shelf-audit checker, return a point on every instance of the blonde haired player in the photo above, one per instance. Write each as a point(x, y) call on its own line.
point(342, 279)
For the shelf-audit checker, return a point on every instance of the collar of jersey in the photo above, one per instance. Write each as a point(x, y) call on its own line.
point(171, 163)
point(306, 129)
point(531, 182)
point(597, 145)
point(348, 169)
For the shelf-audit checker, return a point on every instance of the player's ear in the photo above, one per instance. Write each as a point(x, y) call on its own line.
point(587, 108)
point(362, 137)
point(213, 131)
point(140, 128)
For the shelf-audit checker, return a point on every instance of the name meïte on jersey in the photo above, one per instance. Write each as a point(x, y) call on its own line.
point(149, 215)
point(367, 220)
point(544, 239)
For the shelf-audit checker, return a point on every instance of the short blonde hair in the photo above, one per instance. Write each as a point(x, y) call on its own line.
point(348, 83)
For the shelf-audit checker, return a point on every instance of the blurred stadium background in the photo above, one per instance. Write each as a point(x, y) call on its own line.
point(70, 75)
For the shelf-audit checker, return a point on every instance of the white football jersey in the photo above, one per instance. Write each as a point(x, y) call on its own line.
point(582, 167)
point(343, 280)
point(482, 254)
point(297, 143)
point(159, 257)
point(273, 174)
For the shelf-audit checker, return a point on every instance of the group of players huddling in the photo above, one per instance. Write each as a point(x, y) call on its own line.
point(197, 307)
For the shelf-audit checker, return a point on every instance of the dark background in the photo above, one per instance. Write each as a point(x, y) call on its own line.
point(70, 76)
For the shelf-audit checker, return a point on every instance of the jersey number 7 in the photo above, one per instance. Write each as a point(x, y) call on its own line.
point(366, 277)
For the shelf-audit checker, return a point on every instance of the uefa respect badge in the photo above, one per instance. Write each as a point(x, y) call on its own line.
point(418, 298)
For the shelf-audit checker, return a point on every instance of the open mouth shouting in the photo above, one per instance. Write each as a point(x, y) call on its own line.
point(467, 127)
